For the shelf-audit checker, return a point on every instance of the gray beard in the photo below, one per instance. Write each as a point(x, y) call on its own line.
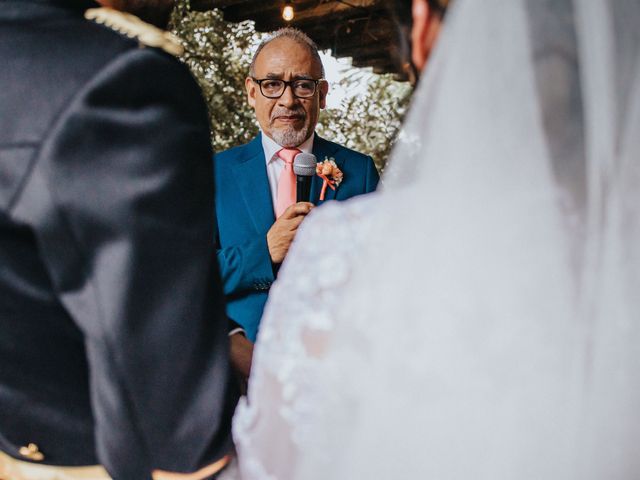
point(290, 138)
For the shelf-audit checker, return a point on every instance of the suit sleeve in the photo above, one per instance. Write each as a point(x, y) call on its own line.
point(121, 200)
point(246, 267)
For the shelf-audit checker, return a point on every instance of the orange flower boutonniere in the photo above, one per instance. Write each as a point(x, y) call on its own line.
point(330, 174)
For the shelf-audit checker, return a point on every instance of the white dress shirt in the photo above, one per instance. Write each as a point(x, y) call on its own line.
point(275, 165)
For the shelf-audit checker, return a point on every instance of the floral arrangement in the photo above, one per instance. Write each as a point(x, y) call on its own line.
point(330, 173)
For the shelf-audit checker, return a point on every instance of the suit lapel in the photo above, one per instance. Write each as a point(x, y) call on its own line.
point(323, 149)
point(251, 175)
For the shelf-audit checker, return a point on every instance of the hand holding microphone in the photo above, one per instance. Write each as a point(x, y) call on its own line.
point(283, 231)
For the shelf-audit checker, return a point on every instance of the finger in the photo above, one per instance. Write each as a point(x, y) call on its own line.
point(295, 222)
point(300, 208)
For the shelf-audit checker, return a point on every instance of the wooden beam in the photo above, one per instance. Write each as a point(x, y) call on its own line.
point(374, 62)
point(366, 51)
point(302, 8)
point(375, 30)
point(327, 14)
point(204, 5)
point(365, 33)
point(399, 74)
point(249, 10)
point(274, 23)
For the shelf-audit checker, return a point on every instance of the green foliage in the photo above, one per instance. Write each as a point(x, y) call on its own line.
point(219, 54)
point(369, 121)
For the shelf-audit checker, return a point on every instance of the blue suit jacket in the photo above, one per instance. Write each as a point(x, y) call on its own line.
point(244, 211)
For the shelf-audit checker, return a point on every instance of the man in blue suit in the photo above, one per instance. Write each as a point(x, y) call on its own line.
point(257, 213)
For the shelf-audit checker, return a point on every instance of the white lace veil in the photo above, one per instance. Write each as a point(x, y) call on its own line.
point(493, 327)
point(489, 327)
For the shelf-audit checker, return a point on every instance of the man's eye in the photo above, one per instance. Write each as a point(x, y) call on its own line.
point(272, 84)
point(304, 84)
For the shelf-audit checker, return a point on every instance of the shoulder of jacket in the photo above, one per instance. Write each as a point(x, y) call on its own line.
point(238, 152)
point(345, 152)
point(132, 27)
point(354, 154)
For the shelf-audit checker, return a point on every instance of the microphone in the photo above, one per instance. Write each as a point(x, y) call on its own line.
point(304, 166)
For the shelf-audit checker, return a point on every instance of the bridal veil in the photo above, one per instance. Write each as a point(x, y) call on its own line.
point(479, 317)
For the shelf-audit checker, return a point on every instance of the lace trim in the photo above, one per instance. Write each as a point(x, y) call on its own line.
point(296, 331)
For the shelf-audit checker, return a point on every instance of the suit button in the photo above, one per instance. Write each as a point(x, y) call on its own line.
point(31, 452)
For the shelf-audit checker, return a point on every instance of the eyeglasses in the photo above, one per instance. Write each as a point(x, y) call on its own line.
point(274, 88)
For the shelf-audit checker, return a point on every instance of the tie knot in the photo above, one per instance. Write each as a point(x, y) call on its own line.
point(288, 154)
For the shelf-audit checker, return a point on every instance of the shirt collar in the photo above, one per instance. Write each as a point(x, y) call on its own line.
point(271, 148)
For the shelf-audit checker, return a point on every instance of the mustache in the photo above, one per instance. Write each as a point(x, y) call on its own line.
point(288, 112)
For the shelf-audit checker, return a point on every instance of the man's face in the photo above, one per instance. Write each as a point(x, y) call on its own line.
point(288, 120)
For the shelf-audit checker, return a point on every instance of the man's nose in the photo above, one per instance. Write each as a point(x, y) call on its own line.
point(288, 98)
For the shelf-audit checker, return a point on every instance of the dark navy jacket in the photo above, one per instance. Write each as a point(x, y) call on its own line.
point(113, 339)
point(244, 211)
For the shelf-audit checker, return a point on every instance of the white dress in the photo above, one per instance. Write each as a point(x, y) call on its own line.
point(291, 352)
point(479, 317)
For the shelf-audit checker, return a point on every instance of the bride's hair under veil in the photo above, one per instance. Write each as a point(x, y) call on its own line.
point(479, 317)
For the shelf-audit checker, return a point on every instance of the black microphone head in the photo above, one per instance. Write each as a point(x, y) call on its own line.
point(304, 164)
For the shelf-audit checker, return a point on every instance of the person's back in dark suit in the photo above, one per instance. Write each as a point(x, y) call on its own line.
point(113, 339)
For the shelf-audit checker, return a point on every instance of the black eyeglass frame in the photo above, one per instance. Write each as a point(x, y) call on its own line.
point(289, 84)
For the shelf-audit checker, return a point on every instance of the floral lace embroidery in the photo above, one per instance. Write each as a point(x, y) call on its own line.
point(295, 331)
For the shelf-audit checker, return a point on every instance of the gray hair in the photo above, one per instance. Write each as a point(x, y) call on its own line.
point(291, 33)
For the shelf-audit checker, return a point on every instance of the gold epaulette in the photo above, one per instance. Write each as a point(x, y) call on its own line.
point(133, 27)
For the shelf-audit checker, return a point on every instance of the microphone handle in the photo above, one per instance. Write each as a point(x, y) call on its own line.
point(303, 188)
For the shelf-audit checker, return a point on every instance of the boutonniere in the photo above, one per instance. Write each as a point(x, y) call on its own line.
point(330, 174)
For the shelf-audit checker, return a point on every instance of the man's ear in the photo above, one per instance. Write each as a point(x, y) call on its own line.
point(250, 86)
point(420, 33)
point(323, 87)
